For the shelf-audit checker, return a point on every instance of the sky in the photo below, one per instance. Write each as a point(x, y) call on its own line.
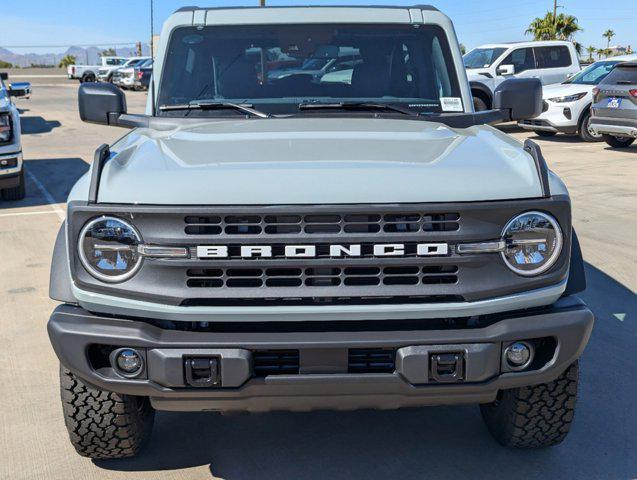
point(52, 25)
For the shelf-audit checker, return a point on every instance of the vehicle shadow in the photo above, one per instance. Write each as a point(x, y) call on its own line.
point(441, 442)
point(36, 124)
point(55, 175)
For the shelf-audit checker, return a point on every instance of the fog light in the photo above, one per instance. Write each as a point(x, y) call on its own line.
point(127, 361)
point(519, 355)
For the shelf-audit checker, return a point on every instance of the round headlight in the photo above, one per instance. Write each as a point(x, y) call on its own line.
point(108, 249)
point(533, 243)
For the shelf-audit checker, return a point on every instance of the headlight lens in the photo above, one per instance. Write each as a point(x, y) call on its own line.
point(108, 249)
point(533, 243)
point(5, 128)
point(568, 98)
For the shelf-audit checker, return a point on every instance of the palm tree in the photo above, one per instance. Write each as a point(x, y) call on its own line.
point(109, 52)
point(591, 50)
point(66, 61)
point(602, 52)
point(550, 27)
point(609, 34)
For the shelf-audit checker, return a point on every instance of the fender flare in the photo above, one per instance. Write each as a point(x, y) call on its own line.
point(482, 88)
point(60, 280)
point(576, 275)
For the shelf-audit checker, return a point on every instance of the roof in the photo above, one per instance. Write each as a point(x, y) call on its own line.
point(628, 64)
point(529, 43)
point(403, 7)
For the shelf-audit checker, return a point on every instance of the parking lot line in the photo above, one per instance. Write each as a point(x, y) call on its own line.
point(20, 214)
point(49, 198)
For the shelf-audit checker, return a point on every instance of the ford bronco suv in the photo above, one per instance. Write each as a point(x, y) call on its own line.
point(263, 242)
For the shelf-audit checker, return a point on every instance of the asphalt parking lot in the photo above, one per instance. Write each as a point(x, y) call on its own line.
point(438, 443)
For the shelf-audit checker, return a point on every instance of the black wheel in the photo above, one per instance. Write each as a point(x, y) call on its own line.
point(585, 132)
point(479, 105)
point(544, 133)
point(102, 424)
point(15, 193)
point(536, 416)
point(618, 142)
point(88, 77)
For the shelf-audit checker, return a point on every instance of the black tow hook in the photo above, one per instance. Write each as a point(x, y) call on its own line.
point(202, 372)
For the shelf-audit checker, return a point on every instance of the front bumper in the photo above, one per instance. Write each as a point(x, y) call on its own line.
point(324, 378)
point(620, 127)
point(558, 117)
point(10, 177)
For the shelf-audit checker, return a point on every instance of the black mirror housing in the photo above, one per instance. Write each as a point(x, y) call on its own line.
point(519, 98)
point(101, 103)
point(4, 76)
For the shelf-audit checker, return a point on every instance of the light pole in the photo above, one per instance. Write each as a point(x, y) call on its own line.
point(152, 32)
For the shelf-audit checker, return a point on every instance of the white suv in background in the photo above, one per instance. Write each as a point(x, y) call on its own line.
point(567, 105)
point(489, 65)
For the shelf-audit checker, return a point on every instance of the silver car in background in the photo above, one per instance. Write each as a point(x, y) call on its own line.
point(615, 106)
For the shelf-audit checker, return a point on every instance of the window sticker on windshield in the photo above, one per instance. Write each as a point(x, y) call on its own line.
point(451, 104)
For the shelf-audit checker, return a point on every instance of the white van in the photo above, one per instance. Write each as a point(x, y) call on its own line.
point(489, 65)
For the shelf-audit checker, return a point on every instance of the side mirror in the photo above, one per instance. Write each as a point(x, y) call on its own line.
point(4, 76)
point(519, 98)
point(101, 103)
point(506, 70)
point(21, 89)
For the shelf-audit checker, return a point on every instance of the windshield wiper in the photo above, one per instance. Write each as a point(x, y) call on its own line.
point(357, 106)
point(204, 105)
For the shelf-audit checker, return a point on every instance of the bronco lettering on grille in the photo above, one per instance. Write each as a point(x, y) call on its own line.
point(309, 251)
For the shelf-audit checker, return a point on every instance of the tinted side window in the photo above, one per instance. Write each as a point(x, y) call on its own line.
point(522, 59)
point(621, 75)
point(552, 57)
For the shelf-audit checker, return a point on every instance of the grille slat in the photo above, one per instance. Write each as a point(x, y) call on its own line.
point(321, 277)
point(320, 224)
point(275, 362)
point(371, 360)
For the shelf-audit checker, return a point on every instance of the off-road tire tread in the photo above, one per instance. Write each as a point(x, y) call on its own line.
point(536, 416)
point(101, 424)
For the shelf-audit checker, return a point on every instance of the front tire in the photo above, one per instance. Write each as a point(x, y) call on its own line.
point(479, 105)
point(544, 133)
point(618, 142)
point(536, 416)
point(585, 132)
point(101, 424)
point(15, 193)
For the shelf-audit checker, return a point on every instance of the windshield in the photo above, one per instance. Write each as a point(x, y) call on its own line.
point(278, 67)
point(593, 74)
point(482, 57)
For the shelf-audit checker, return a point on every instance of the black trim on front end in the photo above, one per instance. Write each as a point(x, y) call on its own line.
point(289, 369)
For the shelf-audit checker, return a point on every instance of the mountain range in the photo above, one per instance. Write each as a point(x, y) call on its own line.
point(84, 56)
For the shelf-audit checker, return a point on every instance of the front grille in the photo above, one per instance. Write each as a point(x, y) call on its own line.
point(275, 362)
point(290, 224)
point(322, 276)
point(371, 360)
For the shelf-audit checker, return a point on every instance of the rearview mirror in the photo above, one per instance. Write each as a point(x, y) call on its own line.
point(506, 70)
point(101, 103)
point(519, 98)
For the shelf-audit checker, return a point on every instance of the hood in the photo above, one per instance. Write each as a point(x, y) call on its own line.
point(564, 89)
point(317, 161)
point(476, 73)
